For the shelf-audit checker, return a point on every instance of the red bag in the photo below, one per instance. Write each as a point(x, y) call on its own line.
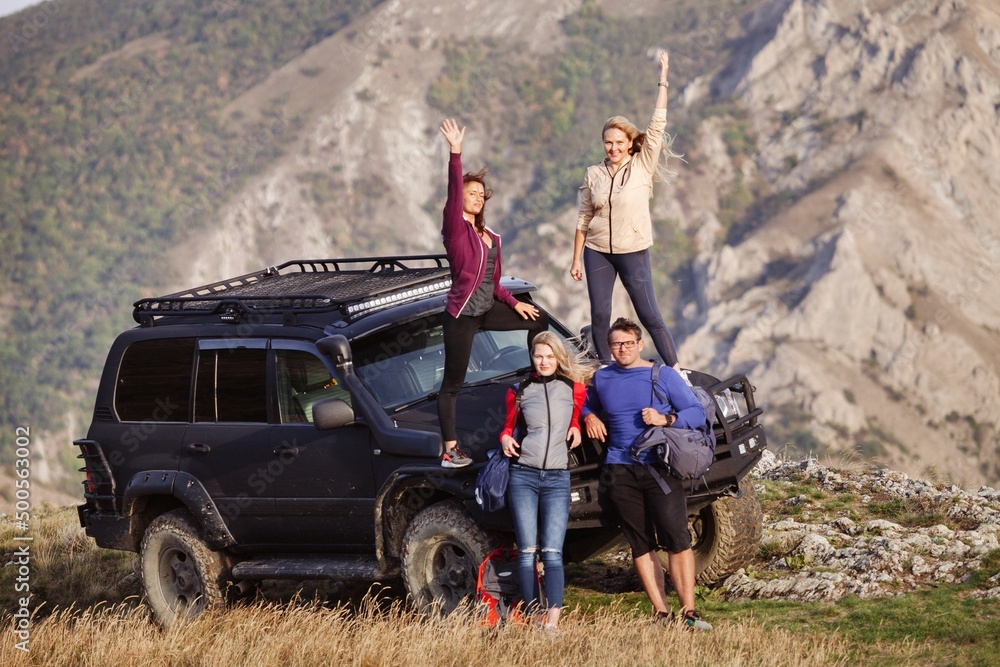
point(498, 589)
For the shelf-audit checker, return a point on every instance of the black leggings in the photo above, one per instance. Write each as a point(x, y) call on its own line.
point(458, 334)
point(637, 277)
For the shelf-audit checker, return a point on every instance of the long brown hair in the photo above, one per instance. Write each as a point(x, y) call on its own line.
point(479, 177)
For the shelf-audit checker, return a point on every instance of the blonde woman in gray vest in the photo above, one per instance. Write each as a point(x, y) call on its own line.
point(543, 411)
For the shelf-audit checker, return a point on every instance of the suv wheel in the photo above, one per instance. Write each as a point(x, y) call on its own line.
point(442, 550)
point(181, 574)
point(725, 535)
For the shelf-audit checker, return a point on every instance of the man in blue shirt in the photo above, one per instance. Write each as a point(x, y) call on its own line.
point(622, 393)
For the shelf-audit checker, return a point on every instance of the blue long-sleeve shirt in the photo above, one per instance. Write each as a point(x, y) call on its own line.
point(618, 395)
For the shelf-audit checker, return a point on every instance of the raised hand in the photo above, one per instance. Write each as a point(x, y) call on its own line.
point(449, 128)
point(663, 65)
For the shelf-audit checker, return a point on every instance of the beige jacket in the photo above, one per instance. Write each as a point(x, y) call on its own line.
point(614, 213)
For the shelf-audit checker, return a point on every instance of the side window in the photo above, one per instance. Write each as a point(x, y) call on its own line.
point(231, 385)
point(154, 381)
point(303, 381)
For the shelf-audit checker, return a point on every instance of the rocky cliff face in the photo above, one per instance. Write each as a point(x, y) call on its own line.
point(866, 301)
point(858, 299)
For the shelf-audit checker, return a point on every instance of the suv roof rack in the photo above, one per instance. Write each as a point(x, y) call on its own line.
point(353, 285)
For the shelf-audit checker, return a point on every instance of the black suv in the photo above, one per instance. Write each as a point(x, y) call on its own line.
point(283, 425)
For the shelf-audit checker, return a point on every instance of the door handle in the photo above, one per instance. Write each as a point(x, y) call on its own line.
point(286, 450)
point(198, 448)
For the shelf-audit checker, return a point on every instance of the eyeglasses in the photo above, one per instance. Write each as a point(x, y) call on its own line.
point(625, 344)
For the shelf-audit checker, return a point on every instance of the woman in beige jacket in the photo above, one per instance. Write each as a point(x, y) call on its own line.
point(614, 230)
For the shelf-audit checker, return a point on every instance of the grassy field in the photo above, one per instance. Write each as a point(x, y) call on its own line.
point(87, 607)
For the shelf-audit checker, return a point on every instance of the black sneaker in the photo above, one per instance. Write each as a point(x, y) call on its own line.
point(664, 618)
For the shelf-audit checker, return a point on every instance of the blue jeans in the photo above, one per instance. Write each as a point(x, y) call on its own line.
point(637, 278)
point(539, 504)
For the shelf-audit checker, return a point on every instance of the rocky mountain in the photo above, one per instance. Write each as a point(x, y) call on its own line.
point(854, 290)
point(828, 232)
point(865, 300)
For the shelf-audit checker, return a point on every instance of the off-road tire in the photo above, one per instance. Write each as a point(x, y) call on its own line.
point(725, 536)
point(181, 574)
point(442, 550)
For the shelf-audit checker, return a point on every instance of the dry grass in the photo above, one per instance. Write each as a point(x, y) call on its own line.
point(388, 634)
point(66, 565)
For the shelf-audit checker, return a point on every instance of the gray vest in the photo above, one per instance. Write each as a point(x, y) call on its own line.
point(546, 410)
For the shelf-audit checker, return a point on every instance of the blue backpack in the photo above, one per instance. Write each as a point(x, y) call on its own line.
point(491, 484)
point(687, 453)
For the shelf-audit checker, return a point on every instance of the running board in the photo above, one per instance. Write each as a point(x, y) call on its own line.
point(359, 568)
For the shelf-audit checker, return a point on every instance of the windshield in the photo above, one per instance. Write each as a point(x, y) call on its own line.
point(406, 363)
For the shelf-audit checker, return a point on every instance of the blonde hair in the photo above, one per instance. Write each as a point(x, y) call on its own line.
point(662, 171)
point(577, 367)
point(631, 131)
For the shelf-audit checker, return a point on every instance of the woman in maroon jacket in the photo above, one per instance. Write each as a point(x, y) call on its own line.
point(476, 300)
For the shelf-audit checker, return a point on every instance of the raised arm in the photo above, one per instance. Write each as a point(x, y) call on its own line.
point(453, 205)
point(650, 153)
point(449, 128)
point(661, 87)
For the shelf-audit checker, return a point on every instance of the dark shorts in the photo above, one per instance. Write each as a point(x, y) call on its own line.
point(649, 518)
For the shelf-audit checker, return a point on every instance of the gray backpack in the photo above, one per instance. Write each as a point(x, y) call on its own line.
point(687, 453)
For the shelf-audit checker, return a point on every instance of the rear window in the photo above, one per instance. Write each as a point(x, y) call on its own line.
point(154, 381)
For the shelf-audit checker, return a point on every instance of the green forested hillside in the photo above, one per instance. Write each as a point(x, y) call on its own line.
point(108, 156)
point(112, 146)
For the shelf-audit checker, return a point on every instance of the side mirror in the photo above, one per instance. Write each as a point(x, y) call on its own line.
point(332, 413)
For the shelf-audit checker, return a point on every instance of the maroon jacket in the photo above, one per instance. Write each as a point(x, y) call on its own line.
point(466, 251)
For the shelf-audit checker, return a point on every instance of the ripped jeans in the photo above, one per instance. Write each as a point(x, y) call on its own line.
point(539, 504)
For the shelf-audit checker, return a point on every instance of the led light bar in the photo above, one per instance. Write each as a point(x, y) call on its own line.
point(398, 297)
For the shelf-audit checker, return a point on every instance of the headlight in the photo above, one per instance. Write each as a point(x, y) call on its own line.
point(727, 403)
